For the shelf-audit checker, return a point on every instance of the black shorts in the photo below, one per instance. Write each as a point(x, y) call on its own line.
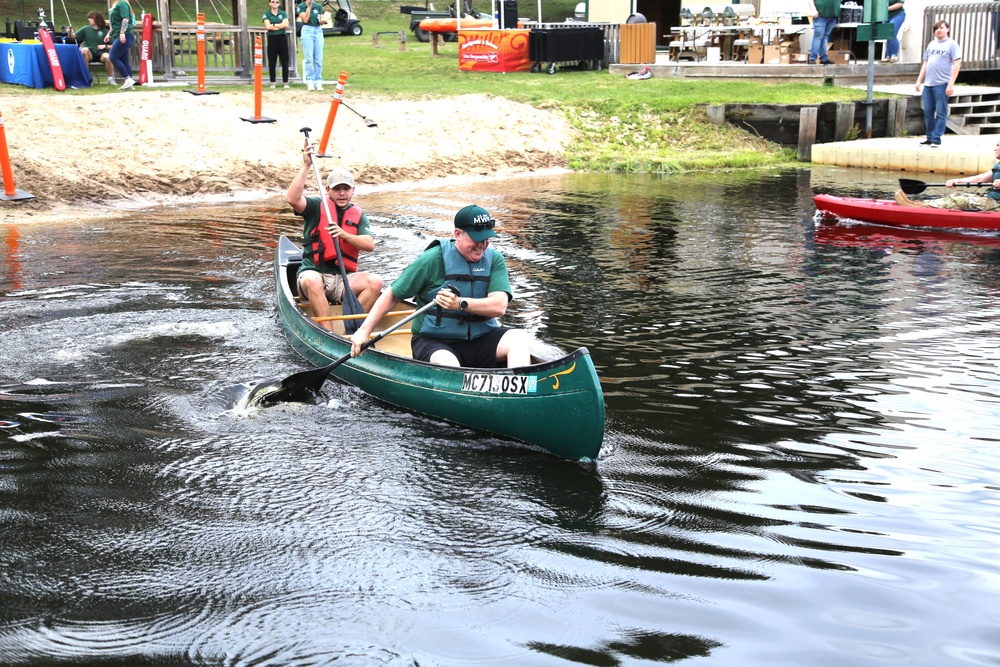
point(95, 56)
point(477, 353)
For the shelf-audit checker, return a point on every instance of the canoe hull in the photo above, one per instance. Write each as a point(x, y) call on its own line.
point(887, 212)
point(557, 406)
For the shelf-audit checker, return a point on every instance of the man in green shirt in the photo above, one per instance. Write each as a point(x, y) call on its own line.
point(91, 41)
point(463, 330)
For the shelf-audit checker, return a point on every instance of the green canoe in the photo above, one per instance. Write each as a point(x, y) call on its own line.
point(556, 405)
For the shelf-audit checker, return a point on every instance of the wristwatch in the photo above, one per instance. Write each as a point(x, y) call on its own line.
point(464, 304)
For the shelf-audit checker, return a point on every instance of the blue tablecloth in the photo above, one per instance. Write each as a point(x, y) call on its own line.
point(26, 64)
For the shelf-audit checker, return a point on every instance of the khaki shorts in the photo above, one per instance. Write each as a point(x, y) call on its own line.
point(333, 285)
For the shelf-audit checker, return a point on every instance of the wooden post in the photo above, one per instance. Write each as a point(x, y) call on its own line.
point(895, 121)
point(717, 114)
point(402, 40)
point(807, 132)
point(845, 120)
point(434, 43)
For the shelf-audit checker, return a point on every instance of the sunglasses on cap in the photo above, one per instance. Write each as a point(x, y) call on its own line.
point(480, 225)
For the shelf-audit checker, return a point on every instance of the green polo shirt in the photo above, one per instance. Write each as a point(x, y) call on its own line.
point(90, 37)
point(119, 12)
point(275, 19)
point(314, 13)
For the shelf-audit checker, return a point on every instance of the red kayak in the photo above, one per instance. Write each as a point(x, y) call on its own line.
point(886, 212)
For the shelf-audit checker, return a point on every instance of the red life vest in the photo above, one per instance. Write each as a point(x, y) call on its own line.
point(321, 249)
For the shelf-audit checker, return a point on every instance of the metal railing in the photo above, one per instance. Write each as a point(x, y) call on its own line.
point(228, 51)
point(976, 28)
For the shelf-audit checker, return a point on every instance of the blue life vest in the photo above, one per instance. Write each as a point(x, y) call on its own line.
point(472, 281)
point(991, 193)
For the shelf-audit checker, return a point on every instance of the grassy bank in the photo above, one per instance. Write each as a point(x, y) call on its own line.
point(655, 125)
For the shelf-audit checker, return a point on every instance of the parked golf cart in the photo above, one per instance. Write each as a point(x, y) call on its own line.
point(341, 19)
point(418, 14)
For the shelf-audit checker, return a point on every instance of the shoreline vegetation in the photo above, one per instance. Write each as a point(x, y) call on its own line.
point(433, 121)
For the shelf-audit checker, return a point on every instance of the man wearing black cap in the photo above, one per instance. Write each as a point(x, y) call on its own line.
point(463, 331)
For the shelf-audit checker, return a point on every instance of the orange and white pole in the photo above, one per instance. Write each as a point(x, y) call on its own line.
point(201, 60)
point(10, 193)
point(338, 94)
point(201, 53)
point(258, 81)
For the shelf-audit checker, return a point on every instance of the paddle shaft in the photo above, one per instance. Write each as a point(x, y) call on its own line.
point(914, 187)
point(326, 370)
point(351, 303)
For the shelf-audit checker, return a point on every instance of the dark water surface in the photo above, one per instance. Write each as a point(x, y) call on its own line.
point(800, 468)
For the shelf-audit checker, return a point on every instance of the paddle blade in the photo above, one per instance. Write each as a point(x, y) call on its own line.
point(296, 387)
point(912, 187)
point(352, 307)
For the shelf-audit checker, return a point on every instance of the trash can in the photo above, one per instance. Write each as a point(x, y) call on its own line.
point(508, 15)
point(561, 45)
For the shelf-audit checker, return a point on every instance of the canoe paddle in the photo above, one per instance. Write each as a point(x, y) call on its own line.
point(351, 304)
point(914, 187)
point(295, 386)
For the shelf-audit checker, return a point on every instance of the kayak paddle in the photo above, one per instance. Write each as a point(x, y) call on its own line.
point(914, 187)
point(297, 385)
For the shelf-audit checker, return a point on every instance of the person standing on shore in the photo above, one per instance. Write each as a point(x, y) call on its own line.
point(311, 39)
point(91, 40)
point(942, 62)
point(121, 37)
point(896, 18)
point(825, 14)
point(276, 22)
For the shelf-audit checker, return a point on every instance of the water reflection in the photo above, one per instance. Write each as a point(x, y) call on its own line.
point(802, 419)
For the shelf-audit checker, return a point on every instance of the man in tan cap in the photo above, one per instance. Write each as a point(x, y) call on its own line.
point(319, 278)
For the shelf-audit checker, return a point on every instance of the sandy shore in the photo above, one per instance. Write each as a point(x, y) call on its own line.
point(90, 154)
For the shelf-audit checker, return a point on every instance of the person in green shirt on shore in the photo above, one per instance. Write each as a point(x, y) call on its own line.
point(121, 38)
point(825, 14)
point(91, 41)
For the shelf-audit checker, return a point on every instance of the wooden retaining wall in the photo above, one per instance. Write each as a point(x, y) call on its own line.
point(835, 121)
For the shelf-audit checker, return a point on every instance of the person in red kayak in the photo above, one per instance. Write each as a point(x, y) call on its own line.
point(965, 201)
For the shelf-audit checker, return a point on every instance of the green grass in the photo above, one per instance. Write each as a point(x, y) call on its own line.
point(655, 125)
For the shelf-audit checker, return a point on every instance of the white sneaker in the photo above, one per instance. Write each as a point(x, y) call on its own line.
point(319, 85)
point(309, 85)
point(286, 85)
point(129, 82)
point(272, 86)
point(111, 81)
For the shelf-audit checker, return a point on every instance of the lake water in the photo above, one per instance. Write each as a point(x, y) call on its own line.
point(800, 465)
